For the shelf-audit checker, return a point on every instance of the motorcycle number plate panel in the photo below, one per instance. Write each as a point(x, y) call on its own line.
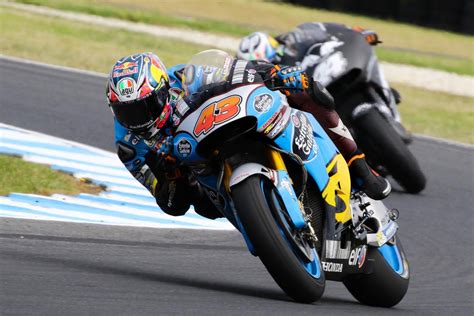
point(217, 112)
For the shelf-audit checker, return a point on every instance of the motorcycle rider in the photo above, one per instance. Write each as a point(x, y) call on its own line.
point(290, 49)
point(146, 101)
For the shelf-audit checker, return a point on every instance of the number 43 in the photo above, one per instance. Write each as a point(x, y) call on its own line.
point(217, 113)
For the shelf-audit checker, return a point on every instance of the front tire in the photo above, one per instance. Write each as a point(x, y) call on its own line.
point(303, 281)
point(385, 286)
point(384, 146)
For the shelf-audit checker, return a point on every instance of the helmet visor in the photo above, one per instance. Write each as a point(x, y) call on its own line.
point(139, 115)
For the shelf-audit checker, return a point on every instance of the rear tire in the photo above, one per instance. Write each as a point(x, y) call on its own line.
point(384, 146)
point(384, 287)
point(271, 243)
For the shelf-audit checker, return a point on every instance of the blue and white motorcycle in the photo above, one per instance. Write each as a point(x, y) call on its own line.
point(273, 172)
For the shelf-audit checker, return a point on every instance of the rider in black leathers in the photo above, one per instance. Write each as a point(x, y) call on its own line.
point(289, 49)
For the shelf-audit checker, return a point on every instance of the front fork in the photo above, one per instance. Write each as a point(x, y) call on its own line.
point(275, 170)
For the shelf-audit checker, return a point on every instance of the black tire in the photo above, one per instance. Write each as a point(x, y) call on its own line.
point(270, 242)
point(384, 146)
point(383, 287)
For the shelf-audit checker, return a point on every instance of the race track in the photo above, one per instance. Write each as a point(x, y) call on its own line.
point(75, 269)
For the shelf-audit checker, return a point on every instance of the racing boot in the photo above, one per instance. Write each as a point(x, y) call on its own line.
point(363, 177)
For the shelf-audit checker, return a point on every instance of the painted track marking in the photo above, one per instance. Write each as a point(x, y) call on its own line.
point(125, 202)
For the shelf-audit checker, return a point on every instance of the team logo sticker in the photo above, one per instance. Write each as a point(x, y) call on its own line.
point(303, 140)
point(184, 148)
point(126, 87)
point(262, 102)
point(357, 256)
point(125, 69)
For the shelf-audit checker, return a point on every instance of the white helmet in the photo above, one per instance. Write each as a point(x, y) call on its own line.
point(259, 46)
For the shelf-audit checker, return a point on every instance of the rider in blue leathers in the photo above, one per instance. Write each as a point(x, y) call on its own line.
point(147, 103)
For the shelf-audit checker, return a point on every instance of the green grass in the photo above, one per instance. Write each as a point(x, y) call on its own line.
point(96, 48)
point(428, 48)
point(437, 114)
point(17, 175)
point(80, 45)
point(451, 64)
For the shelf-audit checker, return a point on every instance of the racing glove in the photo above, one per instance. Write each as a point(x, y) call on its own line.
point(293, 79)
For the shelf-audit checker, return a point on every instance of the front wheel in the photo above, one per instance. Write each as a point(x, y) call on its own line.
point(262, 213)
point(384, 146)
point(387, 283)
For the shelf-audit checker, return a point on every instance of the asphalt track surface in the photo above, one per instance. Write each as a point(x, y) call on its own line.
point(51, 268)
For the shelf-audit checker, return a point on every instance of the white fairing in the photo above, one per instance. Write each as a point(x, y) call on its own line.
point(386, 227)
point(246, 170)
point(218, 115)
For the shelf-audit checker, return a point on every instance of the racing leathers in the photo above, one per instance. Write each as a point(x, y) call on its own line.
point(146, 159)
point(173, 190)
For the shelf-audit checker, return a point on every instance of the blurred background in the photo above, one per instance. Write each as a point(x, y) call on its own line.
point(434, 35)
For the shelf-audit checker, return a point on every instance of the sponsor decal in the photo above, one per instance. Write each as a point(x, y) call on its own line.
point(126, 72)
point(331, 266)
point(181, 107)
point(217, 113)
point(381, 238)
point(176, 120)
point(334, 250)
point(251, 75)
point(126, 65)
point(362, 256)
point(239, 69)
point(262, 102)
point(125, 69)
point(281, 123)
point(126, 86)
point(296, 121)
point(390, 230)
point(184, 148)
point(303, 140)
point(269, 122)
point(357, 256)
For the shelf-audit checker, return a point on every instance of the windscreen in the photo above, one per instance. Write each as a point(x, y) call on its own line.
point(205, 69)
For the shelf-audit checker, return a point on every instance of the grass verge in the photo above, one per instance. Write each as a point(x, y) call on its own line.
point(96, 48)
point(437, 114)
point(79, 45)
point(17, 175)
point(427, 47)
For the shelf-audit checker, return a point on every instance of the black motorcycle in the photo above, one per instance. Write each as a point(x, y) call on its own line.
point(345, 63)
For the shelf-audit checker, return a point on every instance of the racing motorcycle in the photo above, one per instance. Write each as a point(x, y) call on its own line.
point(273, 172)
point(345, 63)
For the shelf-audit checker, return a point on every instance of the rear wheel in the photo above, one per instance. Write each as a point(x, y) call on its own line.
point(287, 256)
point(384, 146)
point(388, 281)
